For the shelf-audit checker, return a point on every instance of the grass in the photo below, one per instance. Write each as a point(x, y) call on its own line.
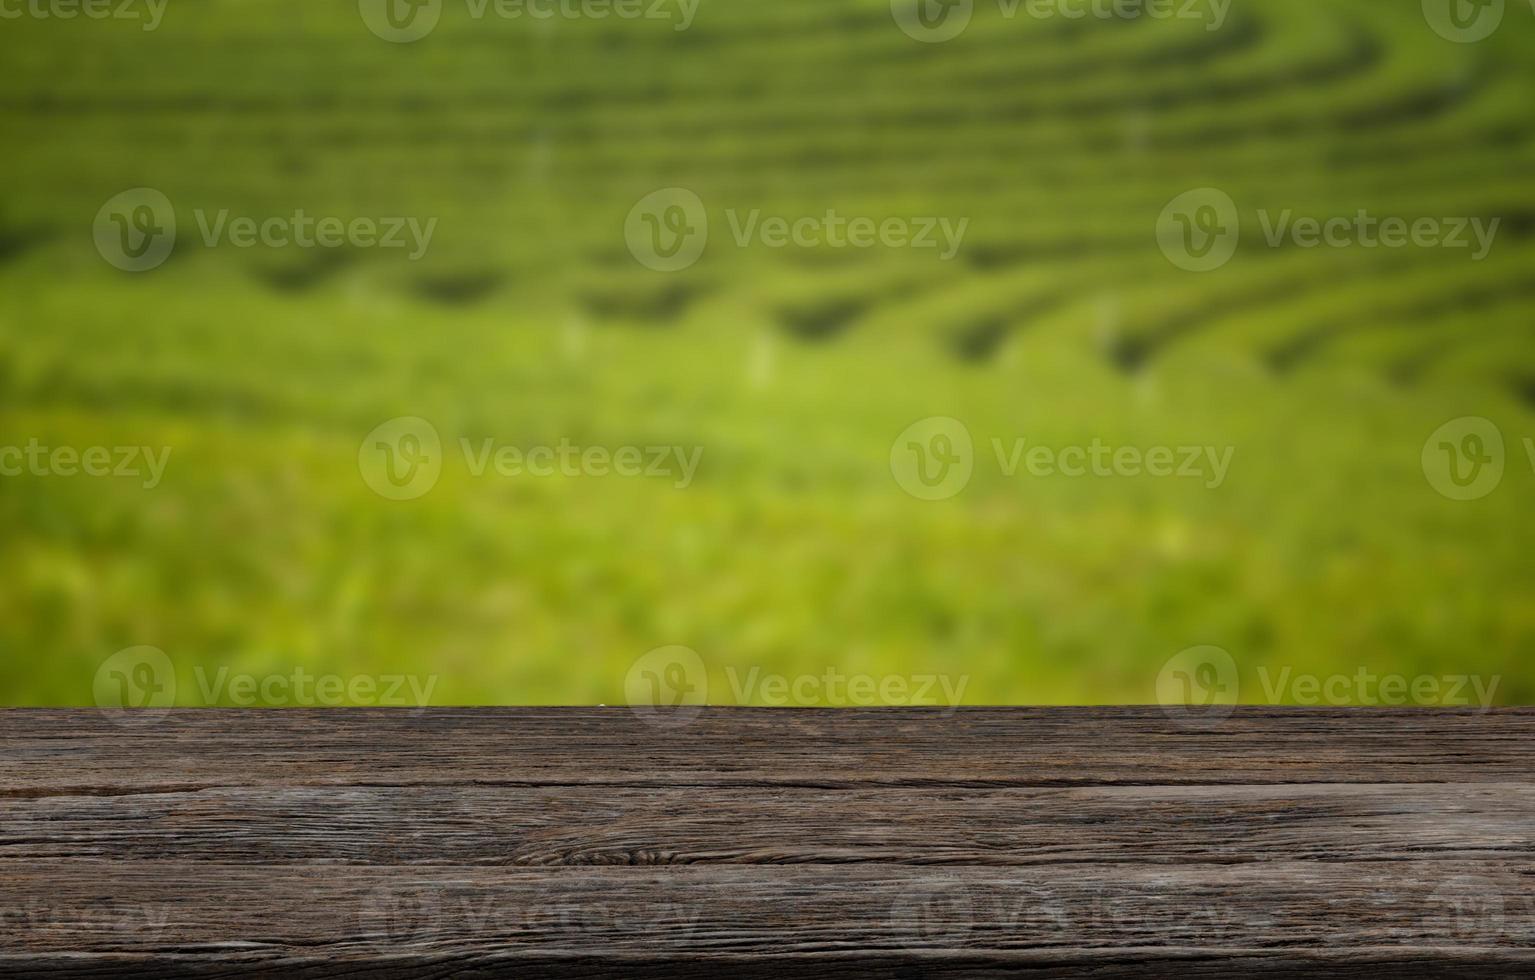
point(794, 549)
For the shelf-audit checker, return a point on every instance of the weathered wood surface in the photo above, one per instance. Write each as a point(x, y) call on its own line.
point(591, 842)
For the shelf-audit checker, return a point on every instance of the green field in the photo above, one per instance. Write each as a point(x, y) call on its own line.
point(793, 549)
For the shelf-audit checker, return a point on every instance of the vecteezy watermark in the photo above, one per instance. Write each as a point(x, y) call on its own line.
point(396, 915)
point(1209, 464)
point(402, 459)
point(1204, 683)
point(148, 13)
point(946, 914)
point(833, 687)
point(1364, 230)
point(1365, 688)
point(667, 687)
point(936, 21)
point(934, 459)
point(1464, 458)
point(301, 230)
point(140, 684)
point(136, 230)
point(1199, 230)
point(833, 230)
point(568, 459)
point(670, 686)
point(404, 21)
point(1465, 21)
point(136, 686)
point(1490, 908)
point(1198, 686)
point(668, 229)
point(144, 463)
point(102, 917)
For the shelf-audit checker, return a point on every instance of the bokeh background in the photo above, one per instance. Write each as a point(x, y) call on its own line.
point(794, 548)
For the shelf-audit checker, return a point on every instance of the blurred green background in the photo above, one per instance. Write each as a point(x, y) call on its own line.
point(794, 548)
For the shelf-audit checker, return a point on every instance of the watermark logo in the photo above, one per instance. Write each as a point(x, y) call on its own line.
point(303, 230)
point(1365, 688)
point(1203, 684)
point(1464, 458)
point(1365, 230)
point(144, 463)
point(428, 912)
point(298, 687)
point(1098, 459)
point(401, 459)
point(667, 687)
point(947, 914)
point(136, 686)
point(1464, 21)
point(936, 21)
point(135, 231)
point(834, 230)
point(143, 922)
point(150, 12)
point(400, 21)
point(570, 460)
point(1471, 909)
point(1199, 230)
point(390, 916)
point(832, 686)
point(941, 914)
point(668, 229)
point(932, 21)
point(404, 21)
point(1199, 685)
point(933, 459)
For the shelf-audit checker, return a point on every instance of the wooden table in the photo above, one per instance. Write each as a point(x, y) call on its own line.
point(595, 842)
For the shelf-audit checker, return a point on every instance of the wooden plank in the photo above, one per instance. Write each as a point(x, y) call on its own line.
point(586, 825)
point(52, 751)
point(217, 918)
point(539, 842)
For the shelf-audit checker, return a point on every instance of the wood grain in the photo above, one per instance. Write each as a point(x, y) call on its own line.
point(592, 842)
